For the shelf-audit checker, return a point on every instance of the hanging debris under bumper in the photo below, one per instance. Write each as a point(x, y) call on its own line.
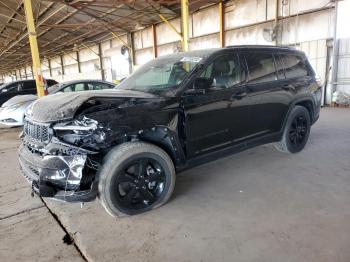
point(63, 177)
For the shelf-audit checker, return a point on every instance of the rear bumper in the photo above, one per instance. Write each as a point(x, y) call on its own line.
point(57, 177)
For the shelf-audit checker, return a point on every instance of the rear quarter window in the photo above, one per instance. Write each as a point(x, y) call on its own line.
point(294, 66)
point(51, 82)
point(261, 67)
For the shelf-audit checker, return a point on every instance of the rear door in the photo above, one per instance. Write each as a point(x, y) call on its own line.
point(29, 87)
point(267, 93)
point(297, 74)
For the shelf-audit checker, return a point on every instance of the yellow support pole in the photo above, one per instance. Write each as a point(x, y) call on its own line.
point(34, 48)
point(222, 23)
point(185, 24)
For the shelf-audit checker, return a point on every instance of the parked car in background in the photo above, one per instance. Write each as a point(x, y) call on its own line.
point(12, 111)
point(126, 145)
point(22, 87)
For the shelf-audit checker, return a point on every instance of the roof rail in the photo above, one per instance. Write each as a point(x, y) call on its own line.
point(261, 46)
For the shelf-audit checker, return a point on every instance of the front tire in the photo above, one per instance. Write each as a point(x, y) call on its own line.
point(296, 131)
point(135, 177)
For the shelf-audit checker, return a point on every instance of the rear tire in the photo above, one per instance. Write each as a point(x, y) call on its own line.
point(296, 131)
point(135, 177)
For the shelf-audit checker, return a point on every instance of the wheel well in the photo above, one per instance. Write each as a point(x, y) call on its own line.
point(167, 140)
point(308, 105)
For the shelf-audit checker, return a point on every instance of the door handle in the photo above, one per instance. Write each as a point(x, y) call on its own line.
point(288, 87)
point(239, 95)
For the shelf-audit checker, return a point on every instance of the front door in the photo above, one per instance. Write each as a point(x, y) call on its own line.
point(210, 116)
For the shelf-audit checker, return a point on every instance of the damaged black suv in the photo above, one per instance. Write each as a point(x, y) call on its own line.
point(125, 145)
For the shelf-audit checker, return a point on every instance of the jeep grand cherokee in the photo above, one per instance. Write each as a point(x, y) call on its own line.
point(177, 111)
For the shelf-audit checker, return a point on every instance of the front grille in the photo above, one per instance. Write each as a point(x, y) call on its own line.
point(36, 131)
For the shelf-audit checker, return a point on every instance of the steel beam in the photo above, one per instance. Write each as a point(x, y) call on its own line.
point(100, 58)
point(78, 61)
point(34, 48)
point(50, 68)
point(62, 65)
point(132, 62)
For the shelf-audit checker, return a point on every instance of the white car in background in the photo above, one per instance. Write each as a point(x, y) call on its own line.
point(12, 112)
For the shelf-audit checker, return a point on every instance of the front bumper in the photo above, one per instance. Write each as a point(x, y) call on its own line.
point(12, 117)
point(56, 176)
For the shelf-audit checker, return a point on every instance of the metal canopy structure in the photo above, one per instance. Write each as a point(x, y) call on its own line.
point(64, 25)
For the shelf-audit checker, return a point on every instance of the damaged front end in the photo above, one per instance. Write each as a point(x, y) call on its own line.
point(60, 160)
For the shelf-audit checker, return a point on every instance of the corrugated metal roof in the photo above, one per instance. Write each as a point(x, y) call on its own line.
point(63, 25)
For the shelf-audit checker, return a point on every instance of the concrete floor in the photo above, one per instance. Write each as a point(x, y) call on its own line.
point(259, 205)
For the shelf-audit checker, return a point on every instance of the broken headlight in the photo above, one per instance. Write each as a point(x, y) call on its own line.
point(85, 131)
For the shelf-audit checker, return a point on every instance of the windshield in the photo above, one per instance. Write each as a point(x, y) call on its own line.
point(161, 75)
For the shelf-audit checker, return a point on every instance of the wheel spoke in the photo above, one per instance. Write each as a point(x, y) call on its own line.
point(147, 195)
point(130, 195)
point(156, 177)
point(141, 167)
point(126, 178)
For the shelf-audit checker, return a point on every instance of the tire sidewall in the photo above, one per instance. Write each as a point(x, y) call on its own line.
point(121, 156)
point(297, 111)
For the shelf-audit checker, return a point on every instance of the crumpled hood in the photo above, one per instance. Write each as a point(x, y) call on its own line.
point(19, 99)
point(63, 106)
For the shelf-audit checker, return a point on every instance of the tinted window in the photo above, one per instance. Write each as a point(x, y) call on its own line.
point(29, 85)
point(79, 87)
point(294, 66)
point(279, 67)
point(14, 87)
point(261, 67)
point(51, 82)
point(224, 70)
point(100, 86)
point(69, 88)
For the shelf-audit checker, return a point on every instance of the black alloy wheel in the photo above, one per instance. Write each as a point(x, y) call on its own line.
point(135, 177)
point(140, 184)
point(298, 131)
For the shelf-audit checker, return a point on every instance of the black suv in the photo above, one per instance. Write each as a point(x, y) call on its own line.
point(22, 87)
point(125, 145)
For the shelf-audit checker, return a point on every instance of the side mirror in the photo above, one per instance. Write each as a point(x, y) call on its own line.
point(203, 83)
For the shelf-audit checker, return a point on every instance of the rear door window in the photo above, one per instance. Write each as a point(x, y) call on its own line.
point(294, 66)
point(29, 85)
point(261, 67)
point(79, 87)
